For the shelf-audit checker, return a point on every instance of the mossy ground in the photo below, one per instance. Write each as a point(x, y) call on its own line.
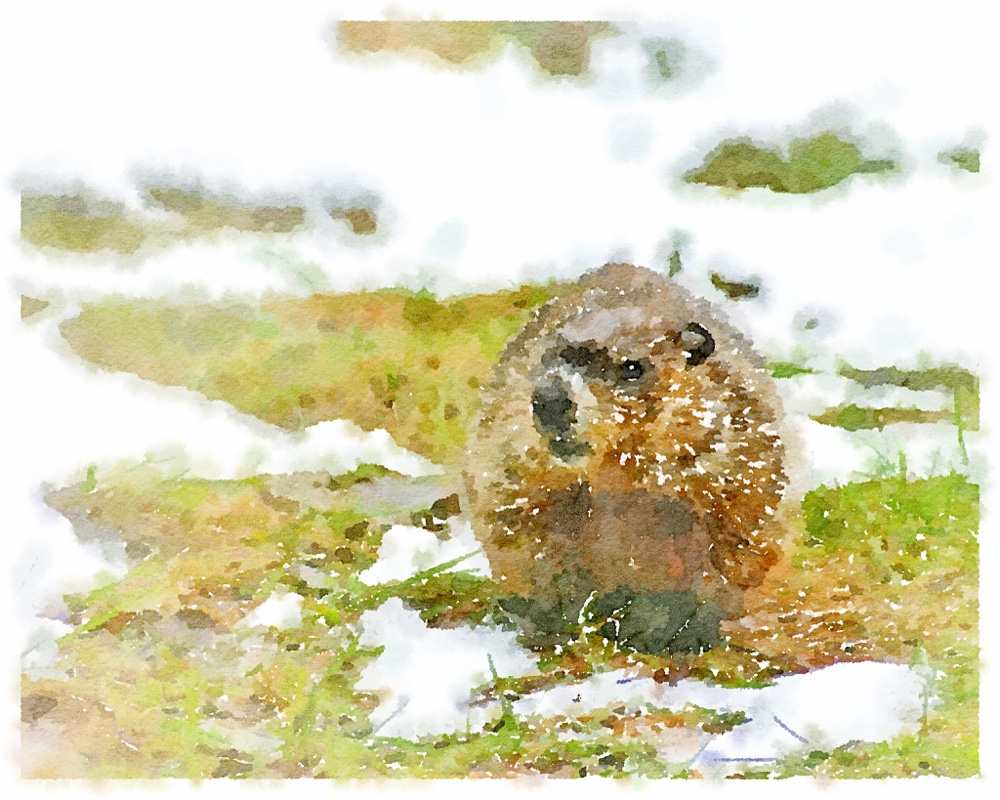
point(162, 677)
point(401, 361)
point(558, 48)
point(810, 166)
point(85, 222)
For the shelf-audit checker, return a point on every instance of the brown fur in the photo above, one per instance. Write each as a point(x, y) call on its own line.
point(616, 448)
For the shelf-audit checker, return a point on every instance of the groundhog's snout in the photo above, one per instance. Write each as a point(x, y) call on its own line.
point(555, 416)
point(627, 457)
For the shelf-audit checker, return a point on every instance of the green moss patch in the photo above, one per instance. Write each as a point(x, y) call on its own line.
point(735, 290)
point(404, 362)
point(161, 676)
point(87, 223)
point(890, 570)
point(205, 212)
point(559, 48)
point(812, 165)
point(965, 158)
point(79, 223)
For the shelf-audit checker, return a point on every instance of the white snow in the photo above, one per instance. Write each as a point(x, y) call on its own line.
point(406, 550)
point(425, 676)
point(280, 610)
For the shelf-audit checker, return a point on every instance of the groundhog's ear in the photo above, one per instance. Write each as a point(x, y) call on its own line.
point(697, 343)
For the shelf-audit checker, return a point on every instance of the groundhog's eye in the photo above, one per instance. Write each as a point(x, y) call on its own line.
point(631, 370)
point(697, 343)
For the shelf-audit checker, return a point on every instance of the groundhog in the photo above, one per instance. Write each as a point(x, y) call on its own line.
point(626, 467)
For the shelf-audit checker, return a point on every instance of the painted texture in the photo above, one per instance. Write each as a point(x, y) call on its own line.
point(86, 222)
point(233, 643)
point(71, 222)
point(810, 166)
point(559, 48)
point(965, 158)
point(168, 679)
point(884, 570)
point(402, 361)
point(406, 362)
point(628, 462)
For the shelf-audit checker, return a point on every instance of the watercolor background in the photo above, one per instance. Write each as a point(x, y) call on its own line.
point(902, 268)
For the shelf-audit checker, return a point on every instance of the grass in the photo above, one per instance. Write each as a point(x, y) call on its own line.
point(964, 158)
point(401, 361)
point(405, 362)
point(811, 165)
point(203, 212)
point(161, 677)
point(559, 48)
point(84, 222)
point(80, 224)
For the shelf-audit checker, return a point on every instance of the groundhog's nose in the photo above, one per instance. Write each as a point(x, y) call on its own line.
point(554, 414)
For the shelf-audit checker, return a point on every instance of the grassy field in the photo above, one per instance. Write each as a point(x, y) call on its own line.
point(162, 678)
point(164, 675)
point(810, 166)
